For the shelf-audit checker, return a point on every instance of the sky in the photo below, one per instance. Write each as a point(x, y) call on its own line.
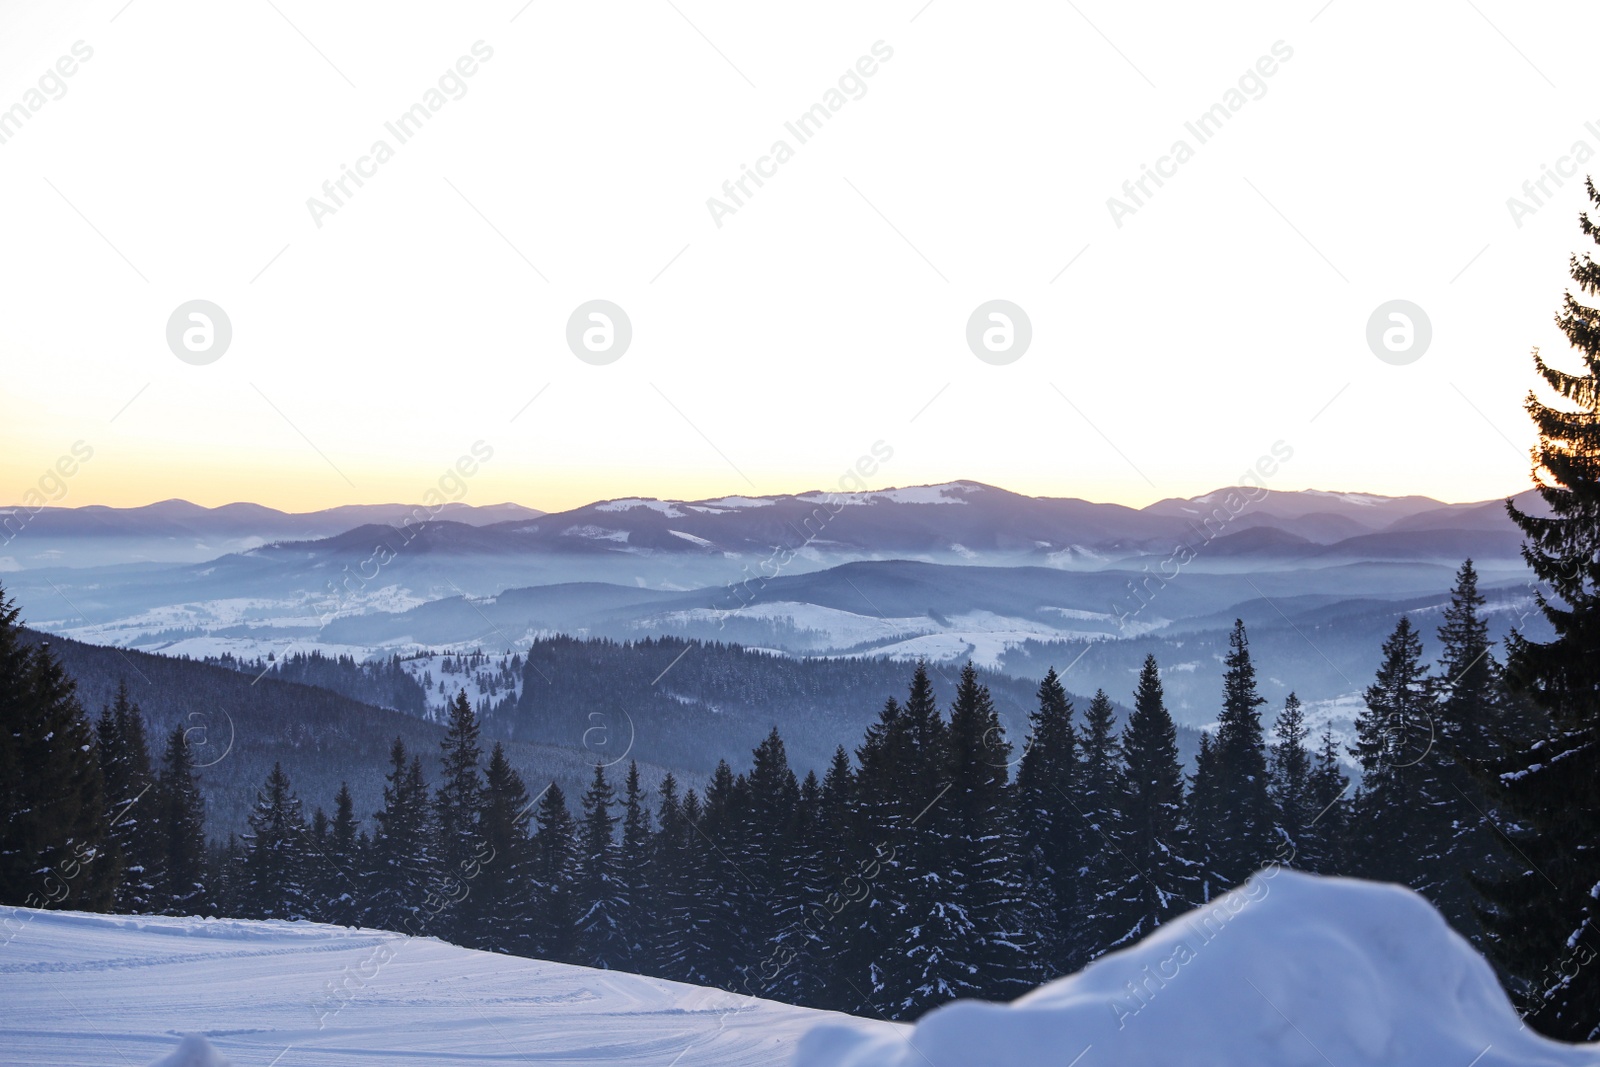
point(779, 334)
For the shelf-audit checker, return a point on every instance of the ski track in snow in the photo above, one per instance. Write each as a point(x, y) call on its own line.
point(83, 989)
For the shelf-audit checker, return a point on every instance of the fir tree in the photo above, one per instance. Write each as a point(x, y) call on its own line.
point(554, 869)
point(1396, 829)
point(637, 915)
point(1099, 803)
point(399, 875)
point(1243, 824)
point(180, 825)
point(53, 826)
point(766, 858)
point(274, 871)
point(1149, 832)
point(828, 919)
point(602, 942)
point(456, 820)
point(722, 896)
point(1543, 914)
point(1321, 849)
point(340, 863)
point(1292, 787)
point(503, 887)
point(671, 873)
point(1473, 732)
point(131, 804)
point(1203, 818)
point(1052, 830)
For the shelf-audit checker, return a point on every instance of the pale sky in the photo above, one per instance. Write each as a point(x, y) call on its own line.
point(830, 310)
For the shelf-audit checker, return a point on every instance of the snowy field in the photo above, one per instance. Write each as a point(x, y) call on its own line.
point(98, 991)
point(1287, 971)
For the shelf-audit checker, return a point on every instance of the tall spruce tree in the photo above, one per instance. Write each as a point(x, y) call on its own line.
point(341, 863)
point(1397, 830)
point(637, 916)
point(670, 858)
point(722, 893)
point(275, 866)
point(555, 871)
point(456, 804)
point(767, 863)
point(503, 887)
point(180, 825)
point(1471, 727)
point(828, 920)
point(1322, 848)
point(1052, 830)
point(1242, 828)
point(1149, 835)
point(602, 942)
point(1099, 802)
point(399, 874)
point(131, 804)
point(53, 826)
point(1292, 788)
point(1543, 915)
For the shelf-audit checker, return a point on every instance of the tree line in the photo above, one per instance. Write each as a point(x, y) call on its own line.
point(935, 861)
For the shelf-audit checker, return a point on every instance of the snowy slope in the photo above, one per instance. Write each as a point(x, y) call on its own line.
point(86, 990)
point(1290, 970)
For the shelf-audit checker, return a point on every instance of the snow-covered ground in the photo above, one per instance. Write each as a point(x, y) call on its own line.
point(100, 990)
point(1289, 970)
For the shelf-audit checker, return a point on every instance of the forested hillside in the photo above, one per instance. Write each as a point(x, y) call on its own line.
point(240, 726)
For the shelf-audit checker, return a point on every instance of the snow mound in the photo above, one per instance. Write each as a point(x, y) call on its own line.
point(193, 1051)
point(1289, 969)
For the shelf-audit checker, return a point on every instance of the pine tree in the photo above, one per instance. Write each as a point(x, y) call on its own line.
point(637, 915)
point(1203, 818)
point(830, 917)
point(1149, 834)
point(670, 872)
point(1292, 787)
point(1322, 847)
point(772, 901)
point(1099, 802)
point(456, 821)
point(503, 887)
point(602, 942)
point(341, 862)
point(131, 804)
point(1052, 830)
point(180, 824)
point(877, 910)
point(1473, 731)
point(721, 892)
point(1396, 831)
point(53, 827)
point(399, 874)
point(554, 870)
point(1243, 824)
point(1544, 914)
point(274, 874)
point(792, 964)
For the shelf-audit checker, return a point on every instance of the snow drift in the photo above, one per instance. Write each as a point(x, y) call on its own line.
point(1289, 969)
